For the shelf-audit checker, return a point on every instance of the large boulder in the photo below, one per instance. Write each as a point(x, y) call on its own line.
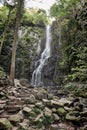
point(5, 124)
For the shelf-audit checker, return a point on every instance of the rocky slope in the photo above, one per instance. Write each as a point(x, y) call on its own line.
point(23, 107)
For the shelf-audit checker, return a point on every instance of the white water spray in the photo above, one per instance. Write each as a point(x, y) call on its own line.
point(37, 74)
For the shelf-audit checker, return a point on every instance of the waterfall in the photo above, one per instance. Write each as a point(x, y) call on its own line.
point(37, 74)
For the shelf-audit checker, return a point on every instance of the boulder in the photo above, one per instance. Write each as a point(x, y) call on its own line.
point(72, 118)
point(27, 111)
point(61, 111)
point(24, 125)
point(47, 112)
point(42, 94)
point(46, 102)
point(54, 127)
point(56, 103)
point(15, 119)
point(56, 117)
point(5, 124)
point(32, 99)
point(39, 105)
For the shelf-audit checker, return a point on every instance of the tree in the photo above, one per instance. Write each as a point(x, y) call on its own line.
point(18, 16)
point(10, 7)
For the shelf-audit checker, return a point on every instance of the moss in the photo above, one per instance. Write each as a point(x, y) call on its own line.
point(5, 124)
point(61, 111)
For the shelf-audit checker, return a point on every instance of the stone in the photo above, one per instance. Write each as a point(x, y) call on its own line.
point(24, 82)
point(17, 83)
point(84, 113)
point(54, 127)
point(12, 108)
point(42, 94)
point(61, 111)
point(24, 125)
point(71, 117)
point(56, 103)
point(85, 127)
point(32, 99)
point(46, 102)
point(54, 110)
point(56, 117)
point(37, 119)
point(39, 105)
point(64, 101)
point(47, 112)
point(50, 96)
point(15, 119)
point(68, 109)
point(5, 124)
point(27, 111)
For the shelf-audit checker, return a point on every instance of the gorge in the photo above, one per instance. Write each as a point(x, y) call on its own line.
point(50, 85)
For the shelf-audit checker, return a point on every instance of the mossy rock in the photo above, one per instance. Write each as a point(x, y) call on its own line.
point(61, 111)
point(5, 124)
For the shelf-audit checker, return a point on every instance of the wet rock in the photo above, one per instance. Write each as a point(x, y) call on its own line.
point(5, 124)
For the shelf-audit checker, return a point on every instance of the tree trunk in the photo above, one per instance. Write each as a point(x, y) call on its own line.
point(18, 16)
point(5, 30)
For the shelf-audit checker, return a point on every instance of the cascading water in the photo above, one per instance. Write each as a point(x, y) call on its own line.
point(37, 74)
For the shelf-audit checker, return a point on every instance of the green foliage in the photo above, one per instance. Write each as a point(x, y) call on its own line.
point(64, 8)
point(35, 16)
point(73, 38)
point(77, 89)
point(2, 73)
point(3, 14)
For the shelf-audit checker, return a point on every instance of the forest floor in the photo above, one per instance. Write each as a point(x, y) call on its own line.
point(24, 107)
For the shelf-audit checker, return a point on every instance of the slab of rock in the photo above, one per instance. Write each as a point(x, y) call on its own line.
point(15, 119)
point(27, 111)
point(72, 118)
point(56, 103)
point(37, 119)
point(24, 125)
point(13, 108)
point(5, 124)
point(54, 127)
point(39, 105)
point(46, 102)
